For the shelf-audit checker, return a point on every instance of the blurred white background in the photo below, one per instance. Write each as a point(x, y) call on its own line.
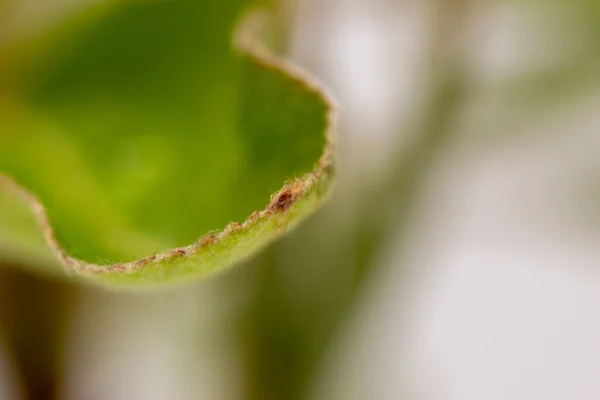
point(502, 292)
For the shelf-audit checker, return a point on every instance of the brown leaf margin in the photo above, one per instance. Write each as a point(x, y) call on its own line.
point(246, 42)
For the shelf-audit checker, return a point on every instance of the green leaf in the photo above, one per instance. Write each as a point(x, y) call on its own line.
point(132, 135)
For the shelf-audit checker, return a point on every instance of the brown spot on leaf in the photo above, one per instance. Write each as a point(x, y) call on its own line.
point(284, 201)
point(144, 261)
point(208, 239)
point(286, 198)
point(178, 252)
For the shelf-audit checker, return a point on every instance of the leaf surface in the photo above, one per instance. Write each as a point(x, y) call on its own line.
point(132, 135)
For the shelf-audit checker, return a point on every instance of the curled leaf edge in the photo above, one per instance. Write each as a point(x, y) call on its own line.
point(247, 43)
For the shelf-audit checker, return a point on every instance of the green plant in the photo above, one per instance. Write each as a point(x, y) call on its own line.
point(133, 132)
point(133, 136)
point(214, 136)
